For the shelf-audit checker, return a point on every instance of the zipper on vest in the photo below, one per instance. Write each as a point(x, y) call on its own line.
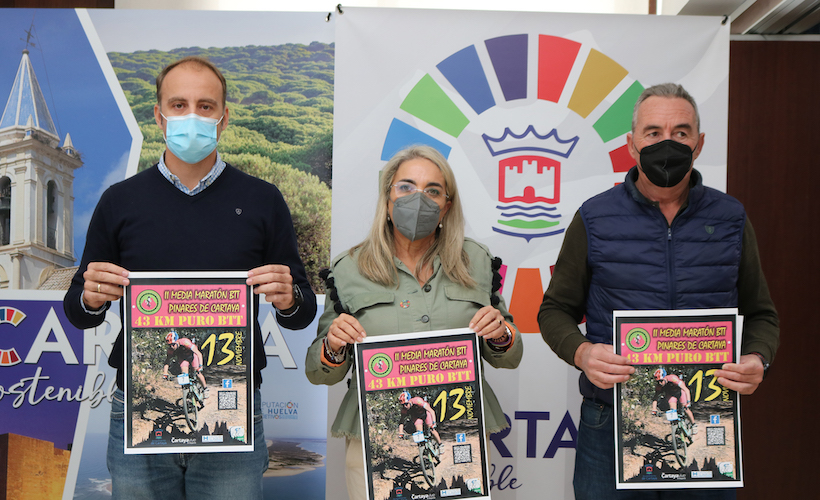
point(670, 274)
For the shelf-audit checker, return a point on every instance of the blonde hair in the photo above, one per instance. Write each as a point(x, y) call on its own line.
point(376, 252)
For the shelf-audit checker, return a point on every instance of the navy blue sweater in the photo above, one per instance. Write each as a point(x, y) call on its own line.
point(238, 223)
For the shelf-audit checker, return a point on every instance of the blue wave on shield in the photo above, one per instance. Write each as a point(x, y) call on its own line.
point(528, 221)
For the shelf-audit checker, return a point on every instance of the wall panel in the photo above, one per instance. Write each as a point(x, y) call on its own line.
point(773, 168)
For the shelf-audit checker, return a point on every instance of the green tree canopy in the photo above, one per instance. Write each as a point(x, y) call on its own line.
point(309, 202)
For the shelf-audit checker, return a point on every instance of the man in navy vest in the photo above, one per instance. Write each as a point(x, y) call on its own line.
point(659, 241)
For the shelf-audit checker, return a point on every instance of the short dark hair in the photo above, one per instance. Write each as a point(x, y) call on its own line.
point(196, 61)
point(669, 90)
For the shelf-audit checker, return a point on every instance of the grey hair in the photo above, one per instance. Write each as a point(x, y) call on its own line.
point(668, 90)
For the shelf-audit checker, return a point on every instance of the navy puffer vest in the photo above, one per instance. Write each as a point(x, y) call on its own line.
point(638, 262)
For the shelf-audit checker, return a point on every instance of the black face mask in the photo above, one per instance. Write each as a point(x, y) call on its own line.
point(666, 163)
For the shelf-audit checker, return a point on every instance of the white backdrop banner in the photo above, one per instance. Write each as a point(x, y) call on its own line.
point(532, 111)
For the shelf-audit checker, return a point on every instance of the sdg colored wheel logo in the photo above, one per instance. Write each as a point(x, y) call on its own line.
point(380, 365)
point(637, 340)
point(148, 302)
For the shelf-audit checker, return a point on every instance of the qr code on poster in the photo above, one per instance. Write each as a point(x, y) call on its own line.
point(462, 453)
point(228, 400)
point(715, 436)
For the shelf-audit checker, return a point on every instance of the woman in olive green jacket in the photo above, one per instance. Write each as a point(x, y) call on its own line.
point(415, 272)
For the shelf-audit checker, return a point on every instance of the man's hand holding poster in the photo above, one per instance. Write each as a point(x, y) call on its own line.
point(676, 426)
point(422, 416)
point(189, 348)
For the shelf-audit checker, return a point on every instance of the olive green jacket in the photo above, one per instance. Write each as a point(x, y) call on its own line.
point(438, 305)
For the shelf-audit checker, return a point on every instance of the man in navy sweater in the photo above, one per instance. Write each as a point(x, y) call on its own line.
point(191, 211)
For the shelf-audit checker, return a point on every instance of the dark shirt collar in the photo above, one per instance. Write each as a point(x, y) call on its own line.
point(695, 187)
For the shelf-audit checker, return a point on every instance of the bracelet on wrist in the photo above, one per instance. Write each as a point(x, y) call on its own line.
point(504, 340)
point(764, 361)
point(335, 357)
point(501, 340)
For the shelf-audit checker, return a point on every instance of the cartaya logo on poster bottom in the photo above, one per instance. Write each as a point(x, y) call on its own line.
point(380, 365)
point(148, 302)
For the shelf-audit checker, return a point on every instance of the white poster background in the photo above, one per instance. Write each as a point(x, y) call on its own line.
point(382, 54)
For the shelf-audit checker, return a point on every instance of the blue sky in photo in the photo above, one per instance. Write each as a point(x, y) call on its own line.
point(77, 96)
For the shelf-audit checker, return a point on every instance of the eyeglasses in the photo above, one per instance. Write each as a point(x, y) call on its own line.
point(406, 188)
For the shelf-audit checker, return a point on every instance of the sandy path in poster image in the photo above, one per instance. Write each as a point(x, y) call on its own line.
point(654, 430)
point(403, 452)
point(163, 407)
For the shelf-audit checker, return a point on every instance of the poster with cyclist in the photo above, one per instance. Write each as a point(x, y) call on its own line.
point(676, 427)
point(422, 416)
point(189, 341)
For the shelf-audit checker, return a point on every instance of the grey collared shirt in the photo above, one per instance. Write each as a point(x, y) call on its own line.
point(206, 181)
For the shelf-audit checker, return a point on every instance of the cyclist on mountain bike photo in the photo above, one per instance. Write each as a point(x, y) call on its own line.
point(185, 352)
point(417, 413)
point(673, 389)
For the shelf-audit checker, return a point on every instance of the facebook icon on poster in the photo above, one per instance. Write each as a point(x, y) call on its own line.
point(227, 383)
point(461, 437)
point(714, 419)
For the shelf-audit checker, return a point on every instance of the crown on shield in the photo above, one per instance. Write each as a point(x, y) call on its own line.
point(530, 140)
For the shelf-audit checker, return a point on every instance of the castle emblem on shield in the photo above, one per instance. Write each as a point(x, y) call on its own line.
point(529, 181)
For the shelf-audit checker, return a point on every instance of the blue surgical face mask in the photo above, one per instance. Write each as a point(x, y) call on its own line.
point(191, 138)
